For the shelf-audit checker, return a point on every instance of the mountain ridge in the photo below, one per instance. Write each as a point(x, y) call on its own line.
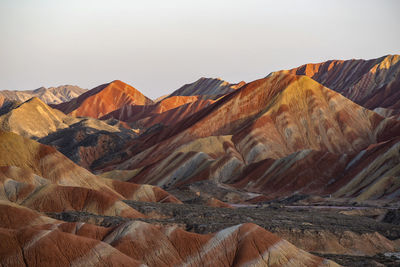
point(51, 95)
point(103, 99)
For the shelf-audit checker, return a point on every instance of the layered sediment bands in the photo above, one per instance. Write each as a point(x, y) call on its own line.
point(55, 198)
point(327, 230)
point(213, 88)
point(44, 161)
point(24, 247)
point(89, 139)
point(135, 242)
point(370, 83)
point(235, 246)
point(14, 216)
point(372, 173)
point(83, 140)
point(137, 112)
point(161, 113)
point(274, 121)
point(33, 119)
point(175, 115)
point(142, 192)
point(52, 95)
point(104, 99)
point(40, 194)
point(211, 157)
point(39, 177)
point(332, 242)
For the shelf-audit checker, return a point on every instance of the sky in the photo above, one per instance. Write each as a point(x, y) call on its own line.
point(159, 45)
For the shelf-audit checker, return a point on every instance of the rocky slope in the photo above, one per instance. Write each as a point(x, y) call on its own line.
point(135, 243)
point(103, 99)
point(371, 173)
point(209, 87)
point(165, 112)
point(374, 83)
point(33, 119)
point(84, 140)
point(51, 95)
point(88, 140)
point(276, 121)
point(39, 177)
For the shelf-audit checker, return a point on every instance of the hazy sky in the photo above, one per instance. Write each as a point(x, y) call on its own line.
point(157, 46)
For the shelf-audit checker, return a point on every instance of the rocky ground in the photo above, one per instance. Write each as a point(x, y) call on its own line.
point(291, 223)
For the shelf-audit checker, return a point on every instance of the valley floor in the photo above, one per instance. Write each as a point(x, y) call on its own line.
point(347, 239)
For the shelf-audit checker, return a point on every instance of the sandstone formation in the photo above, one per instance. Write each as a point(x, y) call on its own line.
point(87, 139)
point(103, 99)
point(209, 87)
point(41, 178)
point(84, 140)
point(371, 83)
point(165, 112)
point(277, 121)
point(33, 119)
point(303, 154)
point(135, 243)
point(51, 95)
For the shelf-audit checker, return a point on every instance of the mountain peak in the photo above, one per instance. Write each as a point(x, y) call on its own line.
point(104, 99)
point(51, 95)
point(35, 100)
point(211, 87)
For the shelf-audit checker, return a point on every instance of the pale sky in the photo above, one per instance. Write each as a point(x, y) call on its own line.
point(157, 46)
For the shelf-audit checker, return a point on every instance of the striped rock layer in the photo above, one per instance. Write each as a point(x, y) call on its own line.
point(39, 177)
point(103, 99)
point(212, 88)
point(166, 112)
point(41, 242)
point(374, 84)
point(84, 140)
point(52, 95)
point(281, 120)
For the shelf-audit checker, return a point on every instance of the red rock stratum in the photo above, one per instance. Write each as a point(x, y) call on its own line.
point(103, 99)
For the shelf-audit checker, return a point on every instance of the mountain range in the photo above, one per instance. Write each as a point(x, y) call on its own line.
point(113, 172)
point(51, 95)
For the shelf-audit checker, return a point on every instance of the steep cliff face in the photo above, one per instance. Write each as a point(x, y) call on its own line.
point(103, 99)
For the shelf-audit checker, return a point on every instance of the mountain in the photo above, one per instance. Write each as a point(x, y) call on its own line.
point(41, 178)
point(103, 99)
point(33, 119)
point(84, 140)
point(212, 88)
point(6, 105)
point(52, 95)
point(3, 101)
point(36, 181)
point(133, 244)
point(256, 174)
point(371, 174)
point(373, 84)
point(271, 118)
point(87, 140)
point(167, 111)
